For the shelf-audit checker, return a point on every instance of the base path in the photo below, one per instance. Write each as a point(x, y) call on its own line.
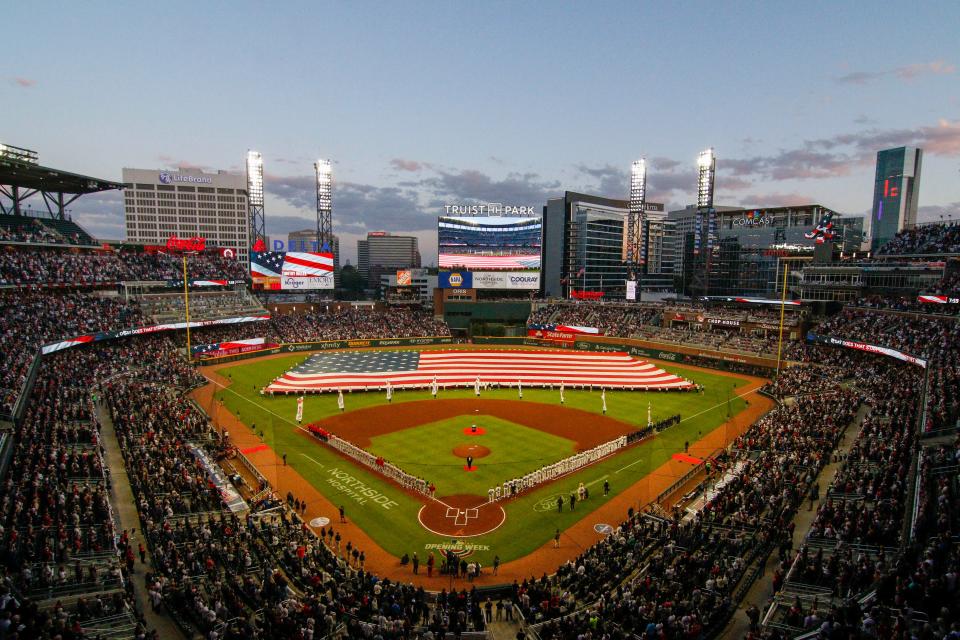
point(363, 424)
point(546, 559)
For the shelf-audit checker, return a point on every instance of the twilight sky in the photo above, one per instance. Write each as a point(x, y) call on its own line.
point(428, 103)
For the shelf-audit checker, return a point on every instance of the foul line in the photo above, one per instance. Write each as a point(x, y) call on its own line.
point(700, 413)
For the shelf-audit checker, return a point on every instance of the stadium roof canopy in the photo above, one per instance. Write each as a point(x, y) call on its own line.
point(20, 180)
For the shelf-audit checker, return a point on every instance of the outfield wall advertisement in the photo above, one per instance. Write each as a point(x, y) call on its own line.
point(295, 347)
point(863, 346)
point(638, 348)
point(140, 331)
point(514, 280)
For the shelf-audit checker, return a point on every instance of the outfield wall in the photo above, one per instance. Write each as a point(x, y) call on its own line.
point(645, 349)
point(679, 354)
point(324, 345)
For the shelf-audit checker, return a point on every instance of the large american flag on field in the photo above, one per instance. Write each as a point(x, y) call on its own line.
point(276, 264)
point(412, 369)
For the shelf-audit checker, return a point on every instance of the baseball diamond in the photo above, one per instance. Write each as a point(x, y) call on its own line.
point(423, 435)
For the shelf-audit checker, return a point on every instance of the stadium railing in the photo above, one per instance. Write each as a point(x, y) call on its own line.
point(16, 414)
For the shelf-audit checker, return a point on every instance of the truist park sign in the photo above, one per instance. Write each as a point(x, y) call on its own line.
point(488, 209)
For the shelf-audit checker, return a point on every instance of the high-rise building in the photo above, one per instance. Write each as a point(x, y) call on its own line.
point(382, 253)
point(187, 203)
point(896, 191)
point(751, 246)
point(584, 247)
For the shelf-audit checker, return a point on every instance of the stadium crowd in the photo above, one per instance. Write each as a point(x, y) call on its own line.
point(644, 321)
point(675, 573)
point(31, 319)
point(936, 239)
point(936, 339)
point(52, 267)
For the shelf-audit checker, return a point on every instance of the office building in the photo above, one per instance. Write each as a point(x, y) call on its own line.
point(382, 253)
point(584, 247)
point(418, 286)
point(187, 203)
point(753, 245)
point(896, 192)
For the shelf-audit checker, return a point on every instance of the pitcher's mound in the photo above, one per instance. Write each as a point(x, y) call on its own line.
point(473, 450)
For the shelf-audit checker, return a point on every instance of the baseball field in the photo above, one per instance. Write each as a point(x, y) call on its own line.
point(431, 437)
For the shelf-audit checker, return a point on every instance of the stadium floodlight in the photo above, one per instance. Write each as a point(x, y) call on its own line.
point(18, 154)
point(255, 178)
point(707, 168)
point(636, 253)
point(258, 229)
point(324, 171)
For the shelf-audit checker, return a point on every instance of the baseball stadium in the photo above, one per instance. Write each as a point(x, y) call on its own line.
point(588, 419)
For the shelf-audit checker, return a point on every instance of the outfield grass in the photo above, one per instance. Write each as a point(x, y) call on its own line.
point(426, 451)
point(532, 518)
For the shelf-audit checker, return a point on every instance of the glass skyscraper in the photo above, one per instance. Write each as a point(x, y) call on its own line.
point(896, 190)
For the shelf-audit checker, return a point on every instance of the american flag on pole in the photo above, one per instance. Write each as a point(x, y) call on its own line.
point(412, 369)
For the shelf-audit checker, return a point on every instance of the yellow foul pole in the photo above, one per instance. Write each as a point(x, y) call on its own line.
point(186, 304)
point(783, 308)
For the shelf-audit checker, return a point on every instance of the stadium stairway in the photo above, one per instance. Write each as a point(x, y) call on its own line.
point(125, 511)
point(503, 630)
point(760, 593)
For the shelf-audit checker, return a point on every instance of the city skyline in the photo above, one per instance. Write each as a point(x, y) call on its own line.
point(423, 105)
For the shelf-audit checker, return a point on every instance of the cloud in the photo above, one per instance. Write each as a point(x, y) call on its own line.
point(791, 164)
point(470, 185)
point(939, 212)
point(906, 72)
point(664, 164)
point(861, 77)
point(842, 154)
point(25, 83)
point(774, 200)
point(609, 181)
point(402, 164)
point(357, 208)
point(101, 214)
point(911, 71)
point(172, 162)
point(942, 138)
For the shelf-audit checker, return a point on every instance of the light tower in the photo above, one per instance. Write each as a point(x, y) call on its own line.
point(705, 223)
point(324, 172)
point(706, 174)
point(636, 247)
point(258, 230)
